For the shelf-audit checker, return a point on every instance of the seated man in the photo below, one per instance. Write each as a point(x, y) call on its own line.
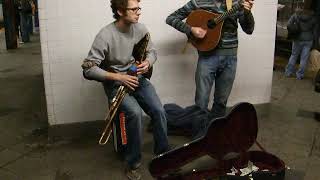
point(108, 62)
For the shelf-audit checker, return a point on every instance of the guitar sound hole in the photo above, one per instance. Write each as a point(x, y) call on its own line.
point(211, 24)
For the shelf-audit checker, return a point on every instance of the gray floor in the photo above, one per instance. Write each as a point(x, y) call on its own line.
point(287, 128)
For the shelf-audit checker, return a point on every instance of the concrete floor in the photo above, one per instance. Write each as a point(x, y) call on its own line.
point(287, 128)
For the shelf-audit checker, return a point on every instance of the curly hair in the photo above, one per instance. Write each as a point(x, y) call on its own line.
point(118, 5)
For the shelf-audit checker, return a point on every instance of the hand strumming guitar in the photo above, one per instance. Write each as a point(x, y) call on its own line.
point(143, 67)
point(198, 32)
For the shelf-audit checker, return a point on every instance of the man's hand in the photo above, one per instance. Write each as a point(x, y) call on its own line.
point(130, 81)
point(247, 5)
point(143, 67)
point(198, 32)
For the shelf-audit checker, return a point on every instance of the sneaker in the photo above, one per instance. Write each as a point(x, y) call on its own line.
point(289, 75)
point(133, 174)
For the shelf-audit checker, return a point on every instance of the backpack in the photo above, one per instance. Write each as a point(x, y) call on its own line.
point(294, 28)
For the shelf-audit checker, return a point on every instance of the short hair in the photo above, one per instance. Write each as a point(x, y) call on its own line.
point(118, 5)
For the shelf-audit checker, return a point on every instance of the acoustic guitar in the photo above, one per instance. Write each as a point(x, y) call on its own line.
point(213, 23)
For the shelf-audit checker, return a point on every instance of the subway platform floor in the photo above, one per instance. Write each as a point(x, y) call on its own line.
point(288, 128)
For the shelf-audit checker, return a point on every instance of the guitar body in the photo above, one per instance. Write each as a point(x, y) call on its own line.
point(200, 18)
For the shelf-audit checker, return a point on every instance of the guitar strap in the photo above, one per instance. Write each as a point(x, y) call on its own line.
point(229, 4)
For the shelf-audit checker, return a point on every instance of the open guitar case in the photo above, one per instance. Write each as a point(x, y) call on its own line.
point(233, 134)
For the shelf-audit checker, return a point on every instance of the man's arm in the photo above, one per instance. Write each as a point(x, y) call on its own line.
point(151, 53)
point(246, 19)
point(92, 71)
point(96, 55)
point(176, 18)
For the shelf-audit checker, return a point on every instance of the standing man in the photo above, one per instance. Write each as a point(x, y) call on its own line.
point(218, 65)
point(302, 43)
point(108, 61)
point(26, 20)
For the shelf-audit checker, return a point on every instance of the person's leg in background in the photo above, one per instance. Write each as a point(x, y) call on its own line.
point(24, 28)
point(296, 49)
point(30, 24)
point(304, 58)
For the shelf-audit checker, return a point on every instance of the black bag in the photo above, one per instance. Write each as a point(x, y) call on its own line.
point(294, 28)
point(317, 82)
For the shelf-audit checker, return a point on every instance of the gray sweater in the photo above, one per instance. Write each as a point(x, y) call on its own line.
point(112, 51)
point(229, 41)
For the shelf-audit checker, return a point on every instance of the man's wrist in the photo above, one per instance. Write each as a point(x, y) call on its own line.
point(247, 12)
point(113, 76)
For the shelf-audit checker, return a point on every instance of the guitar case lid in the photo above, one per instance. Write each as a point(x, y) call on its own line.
point(236, 132)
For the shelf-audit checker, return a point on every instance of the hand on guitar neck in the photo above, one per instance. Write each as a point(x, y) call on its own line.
point(247, 5)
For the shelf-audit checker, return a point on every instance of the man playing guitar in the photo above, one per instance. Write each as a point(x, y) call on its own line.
point(216, 65)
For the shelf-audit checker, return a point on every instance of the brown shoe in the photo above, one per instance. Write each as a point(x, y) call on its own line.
point(133, 174)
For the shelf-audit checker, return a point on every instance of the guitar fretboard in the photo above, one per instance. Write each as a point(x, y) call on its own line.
point(224, 15)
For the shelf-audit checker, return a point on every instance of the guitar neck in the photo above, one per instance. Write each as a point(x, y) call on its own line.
point(224, 15)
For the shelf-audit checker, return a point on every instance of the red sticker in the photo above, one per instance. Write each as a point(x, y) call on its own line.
point(123, 128)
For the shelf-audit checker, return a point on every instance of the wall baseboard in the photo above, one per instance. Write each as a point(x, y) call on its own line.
point(71, 131)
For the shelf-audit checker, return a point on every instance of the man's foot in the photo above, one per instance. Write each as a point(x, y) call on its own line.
point(133, 174)
point(289, 75)
point(299, 78)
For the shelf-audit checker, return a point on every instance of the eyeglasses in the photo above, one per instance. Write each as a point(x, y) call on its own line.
point(135, 9)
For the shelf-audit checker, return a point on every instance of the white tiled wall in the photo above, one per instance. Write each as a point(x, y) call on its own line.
point(69, 27)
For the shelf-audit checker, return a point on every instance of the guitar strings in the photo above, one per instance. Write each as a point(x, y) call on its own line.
point(228, 13)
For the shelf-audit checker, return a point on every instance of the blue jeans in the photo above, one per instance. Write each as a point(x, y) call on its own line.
point(143, 98)
point(26, 22)
point(218, 69)
point(301, 48)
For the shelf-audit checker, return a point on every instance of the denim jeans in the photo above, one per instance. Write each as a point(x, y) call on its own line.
point(220, 70)
point(26, 21)
point(143, 98)
point(301, 48)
